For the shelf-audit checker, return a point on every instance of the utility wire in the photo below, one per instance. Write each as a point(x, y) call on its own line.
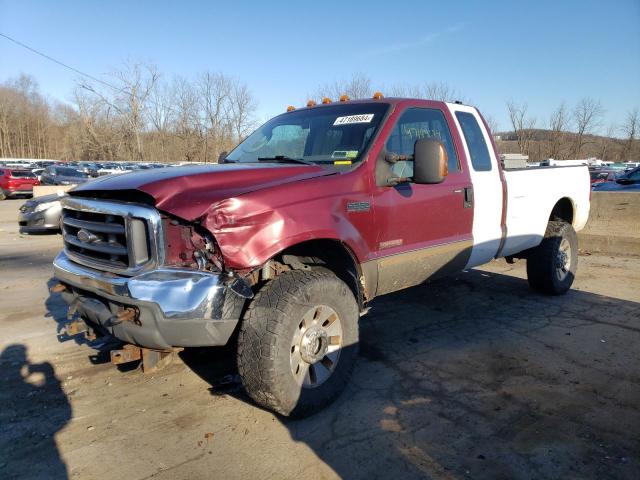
point(69, 67)
point(62, 64)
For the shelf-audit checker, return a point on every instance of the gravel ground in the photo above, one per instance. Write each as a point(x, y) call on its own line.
point(470, 377)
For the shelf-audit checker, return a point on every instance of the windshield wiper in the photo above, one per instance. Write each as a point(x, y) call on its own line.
point(284, 159)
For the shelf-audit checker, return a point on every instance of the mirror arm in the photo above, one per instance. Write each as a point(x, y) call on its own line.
point(393, 181)
point(391, 157)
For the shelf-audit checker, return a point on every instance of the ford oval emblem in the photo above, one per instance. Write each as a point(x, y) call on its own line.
point(86, 236)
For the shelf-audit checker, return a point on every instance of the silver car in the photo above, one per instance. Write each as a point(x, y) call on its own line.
point(40, 214)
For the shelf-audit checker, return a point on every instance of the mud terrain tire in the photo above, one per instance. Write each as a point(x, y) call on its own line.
point(301, 319)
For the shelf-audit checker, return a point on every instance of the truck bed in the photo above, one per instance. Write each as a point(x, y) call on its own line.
point(531, 196)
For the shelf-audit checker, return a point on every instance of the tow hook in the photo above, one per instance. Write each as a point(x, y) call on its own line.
point(129, 314)
point(240, 287)
point(58, 288)
point(152, 360)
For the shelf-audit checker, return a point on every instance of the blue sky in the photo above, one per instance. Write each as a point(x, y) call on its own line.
point(539, 52)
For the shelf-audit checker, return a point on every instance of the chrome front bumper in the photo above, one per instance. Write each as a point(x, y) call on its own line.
point(177, 308)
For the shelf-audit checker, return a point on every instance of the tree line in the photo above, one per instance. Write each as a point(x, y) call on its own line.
point(138, 114)
point(572, 133)
point(135, 115)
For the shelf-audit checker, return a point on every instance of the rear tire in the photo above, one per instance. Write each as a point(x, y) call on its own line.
point(298, 342)
point(552, 265)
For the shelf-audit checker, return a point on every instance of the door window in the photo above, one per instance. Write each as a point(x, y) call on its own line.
point(480, 158)
point(415, 124)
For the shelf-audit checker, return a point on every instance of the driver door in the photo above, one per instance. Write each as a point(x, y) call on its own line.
point(422, 230)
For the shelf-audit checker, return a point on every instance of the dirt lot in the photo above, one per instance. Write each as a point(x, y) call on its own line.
point(472, 377)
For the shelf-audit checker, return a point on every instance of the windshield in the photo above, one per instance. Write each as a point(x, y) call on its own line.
point(69, 172)
point(332, 135)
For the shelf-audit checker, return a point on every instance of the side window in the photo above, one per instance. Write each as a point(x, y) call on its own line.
point(415, 124)
point(480, 158)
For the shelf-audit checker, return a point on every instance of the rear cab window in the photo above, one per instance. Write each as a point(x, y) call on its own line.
point(478, 150)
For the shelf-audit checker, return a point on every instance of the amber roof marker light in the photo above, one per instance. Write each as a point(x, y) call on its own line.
point(290, 108)
point(326, 100)
point(344, 98)
point(378, 96)
point(311, 103)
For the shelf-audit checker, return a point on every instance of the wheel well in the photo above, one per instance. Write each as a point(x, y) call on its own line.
point(331, 254)
point(562, 211)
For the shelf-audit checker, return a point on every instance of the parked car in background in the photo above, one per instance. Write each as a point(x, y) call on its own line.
point(111, 168)
point(90, 168)
point(603, 175)
point(40, 214)
point(16, 182)
point(38, 173)
point(626, 182)
point(63, 176)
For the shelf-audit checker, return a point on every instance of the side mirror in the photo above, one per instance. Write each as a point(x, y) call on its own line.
point(430, 161)
point(222, 156)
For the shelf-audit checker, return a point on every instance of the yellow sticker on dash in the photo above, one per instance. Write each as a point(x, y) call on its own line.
point(342, 162)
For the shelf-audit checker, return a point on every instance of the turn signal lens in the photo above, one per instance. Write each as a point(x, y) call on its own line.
point(344, 98)
point(326, 100)
point(311, 103)
point(290, 108)
point(377, 96)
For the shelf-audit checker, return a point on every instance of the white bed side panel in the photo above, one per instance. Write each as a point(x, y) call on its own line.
point(531, 196)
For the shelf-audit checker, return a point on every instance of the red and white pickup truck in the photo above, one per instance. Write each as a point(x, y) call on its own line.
point(282, 247)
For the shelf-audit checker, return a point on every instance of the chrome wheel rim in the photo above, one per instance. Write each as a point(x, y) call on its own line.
point(315, 347)
point(563, 259)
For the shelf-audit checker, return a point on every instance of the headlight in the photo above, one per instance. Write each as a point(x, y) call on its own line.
point(44, 206)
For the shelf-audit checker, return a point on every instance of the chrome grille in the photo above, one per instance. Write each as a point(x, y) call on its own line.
point(112, 236)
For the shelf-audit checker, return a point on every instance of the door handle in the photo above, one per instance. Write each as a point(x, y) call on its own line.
point(468, 197)
point(457, 190)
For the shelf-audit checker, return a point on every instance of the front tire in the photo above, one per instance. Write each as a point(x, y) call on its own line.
point(298, 342)
point(552, 265)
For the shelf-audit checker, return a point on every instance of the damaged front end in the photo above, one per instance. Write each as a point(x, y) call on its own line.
point(145, 278)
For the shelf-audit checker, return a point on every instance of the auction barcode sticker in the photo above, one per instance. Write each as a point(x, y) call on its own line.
point(363, 118)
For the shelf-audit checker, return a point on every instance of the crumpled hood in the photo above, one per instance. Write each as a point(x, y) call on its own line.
point(189, 191)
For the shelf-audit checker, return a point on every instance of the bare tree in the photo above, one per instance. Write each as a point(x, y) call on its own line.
point(405, 90)
point(630, 128)
point(243, 106)
point(187, 127)
point(522, 124)
point(558, 123)
point(215, 91)
point(134, 86)
point(587, 116)
point(358, 86)
point(161, 114)
point(429, 91)
point(492, 123)
point(606, 142)
point(443, 92)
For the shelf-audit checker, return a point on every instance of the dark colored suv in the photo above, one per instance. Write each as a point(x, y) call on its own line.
point(63, 176)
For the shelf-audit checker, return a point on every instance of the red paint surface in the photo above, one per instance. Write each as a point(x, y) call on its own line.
point(256, 211)
point(10, 184)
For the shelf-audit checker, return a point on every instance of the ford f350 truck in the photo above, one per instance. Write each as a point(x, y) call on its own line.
point(282, 246)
